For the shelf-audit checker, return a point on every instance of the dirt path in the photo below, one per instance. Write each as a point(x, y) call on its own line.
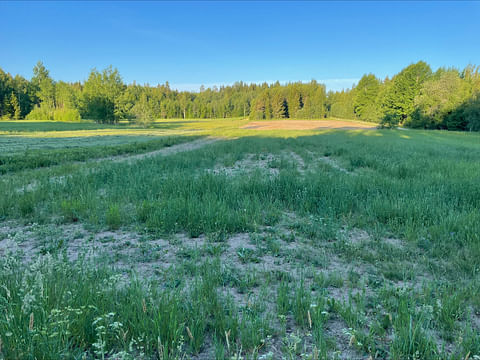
point(174, 149)
point(189, 146)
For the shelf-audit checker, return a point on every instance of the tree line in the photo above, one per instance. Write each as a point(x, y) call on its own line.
point(415, 97)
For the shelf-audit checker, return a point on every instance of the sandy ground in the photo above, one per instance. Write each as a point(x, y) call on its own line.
point(306, 125)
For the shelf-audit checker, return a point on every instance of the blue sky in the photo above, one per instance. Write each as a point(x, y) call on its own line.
point(193, 43)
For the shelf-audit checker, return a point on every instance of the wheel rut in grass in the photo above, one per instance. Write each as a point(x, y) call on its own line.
point(189, 146)
point(171, 150)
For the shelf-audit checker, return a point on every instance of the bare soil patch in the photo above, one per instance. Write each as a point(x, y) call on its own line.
point(337, 329)
point(249, 164)
point(242, 254)
point(306, 125)
point(265, 162)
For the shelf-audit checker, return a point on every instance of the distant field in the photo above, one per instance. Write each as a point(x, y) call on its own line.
point(203, 239)
point(307, 125)
point(170, 127)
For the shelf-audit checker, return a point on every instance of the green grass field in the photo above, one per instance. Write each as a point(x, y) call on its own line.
point(201, 240)
point(29, 126)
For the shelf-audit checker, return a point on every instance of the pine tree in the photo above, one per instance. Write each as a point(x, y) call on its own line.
point(279, 106)
point(258, 110)
point(7, 107)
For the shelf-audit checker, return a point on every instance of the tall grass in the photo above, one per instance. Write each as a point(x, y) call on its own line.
point(417, 188)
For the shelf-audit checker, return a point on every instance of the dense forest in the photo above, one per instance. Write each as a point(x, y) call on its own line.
point(415, 97)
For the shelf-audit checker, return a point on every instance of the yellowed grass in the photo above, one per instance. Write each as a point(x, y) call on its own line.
point(233, 127)
point(307, 125)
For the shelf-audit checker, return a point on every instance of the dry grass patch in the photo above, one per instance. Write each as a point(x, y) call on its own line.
point(307, 125)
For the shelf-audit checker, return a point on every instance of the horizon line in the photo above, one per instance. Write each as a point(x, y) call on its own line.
point(342, 84)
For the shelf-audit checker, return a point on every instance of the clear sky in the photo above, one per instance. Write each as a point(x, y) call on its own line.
point(193, 43)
